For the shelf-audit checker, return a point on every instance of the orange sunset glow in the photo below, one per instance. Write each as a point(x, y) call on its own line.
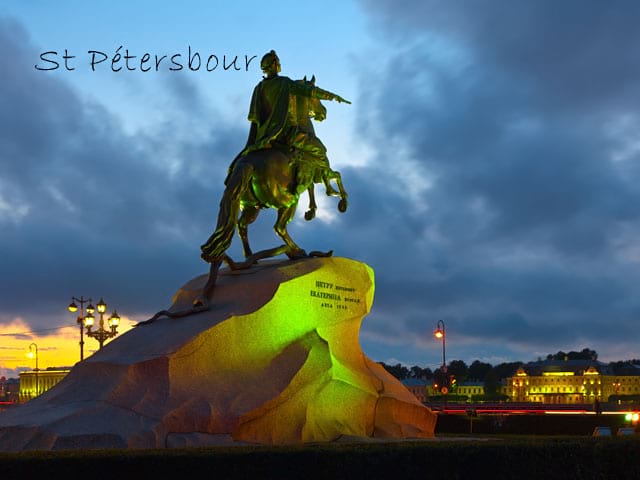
point(58, 347)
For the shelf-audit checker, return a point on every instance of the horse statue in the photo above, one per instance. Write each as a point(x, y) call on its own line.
point(266, 178)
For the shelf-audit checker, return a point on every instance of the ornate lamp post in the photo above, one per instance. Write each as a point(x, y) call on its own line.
point(101, 334)
point(33, 352)
point(80, 320)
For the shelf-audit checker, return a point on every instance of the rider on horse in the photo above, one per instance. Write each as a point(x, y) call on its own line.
point(274, 124)
point(282, 158)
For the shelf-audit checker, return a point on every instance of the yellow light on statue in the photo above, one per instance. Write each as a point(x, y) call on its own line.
point(73, 307)
point(88, 320)
point(30, 354)
point(102, 307)
point(90, 309)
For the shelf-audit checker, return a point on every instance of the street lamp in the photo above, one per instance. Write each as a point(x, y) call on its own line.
point(33, 352)
point(440, 334)
point(80, 320)
point(101, 334)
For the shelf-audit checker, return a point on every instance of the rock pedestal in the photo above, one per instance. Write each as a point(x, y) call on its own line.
point(276, 360)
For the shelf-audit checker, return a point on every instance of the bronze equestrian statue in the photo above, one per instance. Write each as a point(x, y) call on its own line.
point(283, 158)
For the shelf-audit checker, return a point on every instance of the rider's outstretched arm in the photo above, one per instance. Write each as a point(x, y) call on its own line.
point(316, 92)
point(326, 95)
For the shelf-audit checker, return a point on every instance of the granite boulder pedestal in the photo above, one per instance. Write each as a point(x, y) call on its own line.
point(276, 360)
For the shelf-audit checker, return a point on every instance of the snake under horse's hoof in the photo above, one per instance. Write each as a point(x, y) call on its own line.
point(200, 303)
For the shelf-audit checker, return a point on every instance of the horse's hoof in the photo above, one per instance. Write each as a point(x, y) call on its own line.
point(309, 215)
point(342, 205)
point(332, 193)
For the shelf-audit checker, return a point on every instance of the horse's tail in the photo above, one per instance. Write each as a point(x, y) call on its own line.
point(237, 183)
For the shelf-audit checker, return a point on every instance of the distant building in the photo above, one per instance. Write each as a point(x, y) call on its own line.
point(423, 389)
point(470, 389)
point(9, 388)
point(416, 386)
point(36, 382)
point(570, 381)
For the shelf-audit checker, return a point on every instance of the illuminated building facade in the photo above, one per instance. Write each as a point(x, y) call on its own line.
point(464, 389)
point(470, 389)
point(423, 389)
point(549, 382)
point(36, 382)
point(570, 381)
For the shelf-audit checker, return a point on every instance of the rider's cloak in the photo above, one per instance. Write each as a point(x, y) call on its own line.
point(268, 112)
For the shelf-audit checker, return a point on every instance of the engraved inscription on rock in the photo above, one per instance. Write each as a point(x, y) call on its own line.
point(335, 296)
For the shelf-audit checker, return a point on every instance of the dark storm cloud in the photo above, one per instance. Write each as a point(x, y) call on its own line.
point(518, 120)
point(501, 196)
point(88, 209)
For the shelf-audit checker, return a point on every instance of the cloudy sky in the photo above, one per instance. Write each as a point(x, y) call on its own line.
point(491, 156)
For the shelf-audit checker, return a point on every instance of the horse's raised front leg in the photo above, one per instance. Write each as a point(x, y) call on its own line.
point(342, 205)
point(285, 215)
point(326, 179)
point(249, 215)
point(311, 213)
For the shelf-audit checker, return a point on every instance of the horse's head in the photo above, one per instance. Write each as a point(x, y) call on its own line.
point(316, 109)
